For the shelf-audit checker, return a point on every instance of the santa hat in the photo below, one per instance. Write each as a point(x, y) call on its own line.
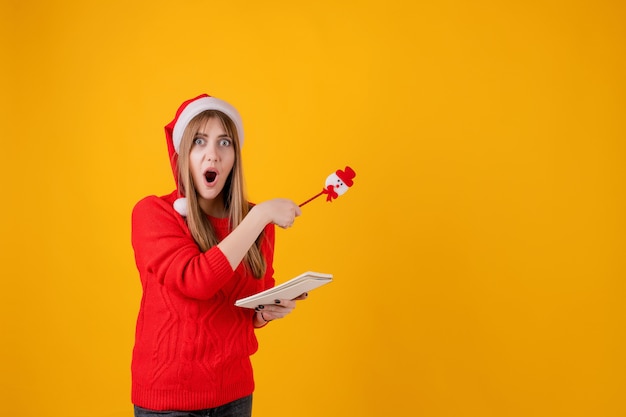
point(346, 176)
point(174, 131)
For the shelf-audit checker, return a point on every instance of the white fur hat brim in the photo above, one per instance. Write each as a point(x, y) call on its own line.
point(196, 107)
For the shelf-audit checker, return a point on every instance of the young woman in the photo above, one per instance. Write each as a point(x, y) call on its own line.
point(198, 250)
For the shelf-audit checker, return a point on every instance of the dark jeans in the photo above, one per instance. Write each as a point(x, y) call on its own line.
point(238, 408)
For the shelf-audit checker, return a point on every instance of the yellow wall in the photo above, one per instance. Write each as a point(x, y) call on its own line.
point(478, 259)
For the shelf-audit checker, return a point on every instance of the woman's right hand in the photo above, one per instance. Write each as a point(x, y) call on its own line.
point(280, 211)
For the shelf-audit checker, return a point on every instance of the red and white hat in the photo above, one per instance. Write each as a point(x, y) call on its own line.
point(191, 108)
point(174, 131)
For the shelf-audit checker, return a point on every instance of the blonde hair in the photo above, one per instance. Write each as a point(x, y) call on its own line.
point(234, 194)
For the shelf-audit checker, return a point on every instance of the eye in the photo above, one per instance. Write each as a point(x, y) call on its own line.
point(225, 142)
point(199, 141)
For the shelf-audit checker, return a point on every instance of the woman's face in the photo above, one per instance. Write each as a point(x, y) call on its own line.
point(211, 159)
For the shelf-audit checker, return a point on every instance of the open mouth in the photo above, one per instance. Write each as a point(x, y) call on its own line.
point(210, 176)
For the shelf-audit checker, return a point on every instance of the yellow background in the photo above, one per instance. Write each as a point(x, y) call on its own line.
point(478, 259)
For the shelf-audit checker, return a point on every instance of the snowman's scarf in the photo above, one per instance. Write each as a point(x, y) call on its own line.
point(331, 193)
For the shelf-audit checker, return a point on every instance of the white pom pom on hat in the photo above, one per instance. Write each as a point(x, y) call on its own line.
point(175, 129)
point(180, 205)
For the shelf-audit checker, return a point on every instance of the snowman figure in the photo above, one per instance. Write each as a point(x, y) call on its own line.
point(338, 183)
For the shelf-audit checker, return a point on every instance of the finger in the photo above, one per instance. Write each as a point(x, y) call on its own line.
point(284, 303)
point(302, 297)
point(270, 314)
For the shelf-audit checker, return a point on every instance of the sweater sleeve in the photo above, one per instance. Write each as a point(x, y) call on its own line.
point(267, 248)
point(166, 251)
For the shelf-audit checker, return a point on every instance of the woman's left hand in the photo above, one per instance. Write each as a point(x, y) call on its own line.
point(278, 310)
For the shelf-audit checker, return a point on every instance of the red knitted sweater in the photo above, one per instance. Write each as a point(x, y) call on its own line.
point(192, 345)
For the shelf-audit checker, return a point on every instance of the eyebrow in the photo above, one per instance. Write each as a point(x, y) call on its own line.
point(225, 135)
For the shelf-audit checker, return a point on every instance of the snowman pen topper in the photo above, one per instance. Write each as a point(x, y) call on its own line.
point(336, 184)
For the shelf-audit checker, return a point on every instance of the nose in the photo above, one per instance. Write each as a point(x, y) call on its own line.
point(210, 152)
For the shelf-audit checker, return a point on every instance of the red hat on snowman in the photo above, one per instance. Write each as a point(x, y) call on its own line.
point(174, 132)
point(346, 176)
